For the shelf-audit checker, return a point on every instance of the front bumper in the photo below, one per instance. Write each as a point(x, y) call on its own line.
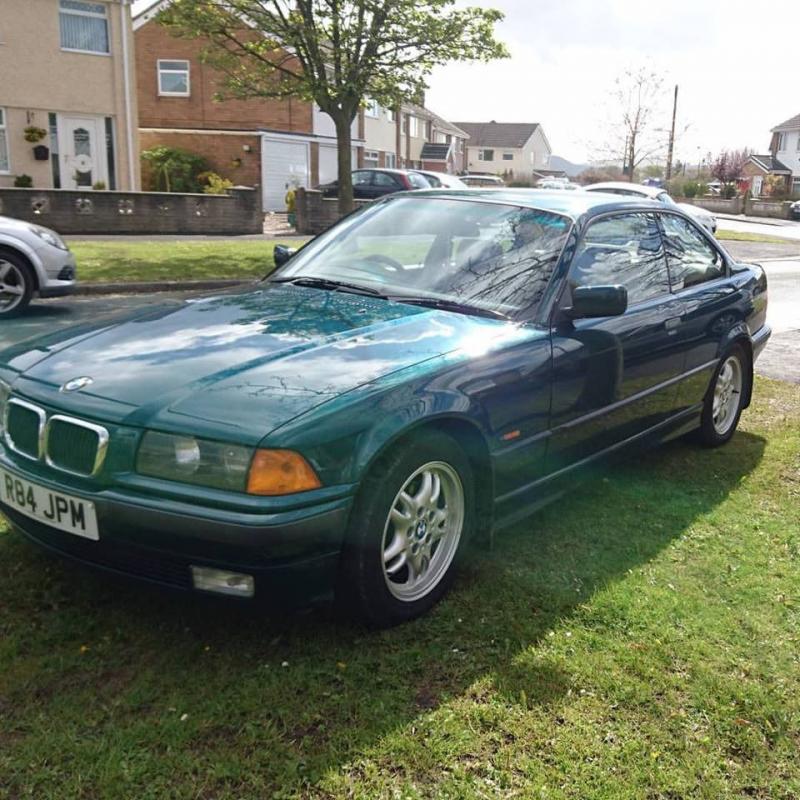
point(293, 556)
point(59, 271)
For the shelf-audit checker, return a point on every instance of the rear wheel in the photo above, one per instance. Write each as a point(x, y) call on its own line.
point(16, 284)
point(407, 531)
point(725, 398)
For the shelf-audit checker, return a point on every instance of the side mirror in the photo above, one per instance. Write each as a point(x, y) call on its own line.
point(598, 301)
point(281, 254)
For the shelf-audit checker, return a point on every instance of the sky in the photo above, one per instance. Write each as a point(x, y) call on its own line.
point(737, 72)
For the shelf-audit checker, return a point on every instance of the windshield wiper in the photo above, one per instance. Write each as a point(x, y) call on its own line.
point(449, 305)
point(329, 284)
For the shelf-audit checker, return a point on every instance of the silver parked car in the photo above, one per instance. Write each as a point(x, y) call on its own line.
point(441, 180)
point(705, 218)
point(34, 261)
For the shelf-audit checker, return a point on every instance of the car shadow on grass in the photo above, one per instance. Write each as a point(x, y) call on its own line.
point(188, 684)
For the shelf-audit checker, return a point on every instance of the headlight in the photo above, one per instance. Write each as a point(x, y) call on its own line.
point(51, 237)
point(219, 465)
point(191, 460)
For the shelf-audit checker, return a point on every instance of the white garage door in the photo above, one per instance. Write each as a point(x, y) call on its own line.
point(282, 163)
point(328, 164)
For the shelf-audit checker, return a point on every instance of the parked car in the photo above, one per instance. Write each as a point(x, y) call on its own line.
point(483, 181)
point(34, 262)
point(794, 210)
point(432, 366)
point(371, 183)
point(705, 218)
point(441, 180)
point(556, 183)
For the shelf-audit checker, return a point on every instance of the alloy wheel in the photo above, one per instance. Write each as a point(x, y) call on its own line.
point(423, 530)
point(727, 395)
point(12, 286)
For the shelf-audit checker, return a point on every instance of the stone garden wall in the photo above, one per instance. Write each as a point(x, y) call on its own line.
point(104, 212)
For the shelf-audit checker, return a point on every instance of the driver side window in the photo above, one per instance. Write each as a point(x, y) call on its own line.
point(624, 249)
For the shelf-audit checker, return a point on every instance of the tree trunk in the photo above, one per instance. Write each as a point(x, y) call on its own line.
point(343, 121)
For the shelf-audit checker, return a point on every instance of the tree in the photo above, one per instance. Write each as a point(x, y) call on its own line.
point(727, 168)
point(637, 101)
point(335, 53)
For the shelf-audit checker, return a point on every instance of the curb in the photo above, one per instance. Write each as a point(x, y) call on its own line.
point(141, 287)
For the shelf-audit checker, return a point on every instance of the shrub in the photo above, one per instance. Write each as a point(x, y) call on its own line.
point(23, 182)
point(690, 189)
point(99, 186)
point(174, 170)
point(213, 183)
point(729, 191)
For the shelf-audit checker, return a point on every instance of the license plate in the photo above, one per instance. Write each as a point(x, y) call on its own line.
point(57, 510)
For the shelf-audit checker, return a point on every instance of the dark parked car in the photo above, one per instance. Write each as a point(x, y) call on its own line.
point(371, 183)
point(433, 366)
point(794, 210)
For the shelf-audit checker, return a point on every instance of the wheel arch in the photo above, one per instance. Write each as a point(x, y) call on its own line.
point(740, 335)
point(469, 435)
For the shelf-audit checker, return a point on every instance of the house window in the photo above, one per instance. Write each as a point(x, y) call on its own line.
point(173, 78)
point(391, 115)
point(412, 125)
point(781, 141)
point(508, 156)
point(798, 141)
point(373, 109)
point(84, 26)
point(5, 166)
point(796, 186)
point(485, 155)
point(370, 158)
point(390, 159)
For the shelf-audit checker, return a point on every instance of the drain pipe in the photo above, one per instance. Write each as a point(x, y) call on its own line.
point(123, 16)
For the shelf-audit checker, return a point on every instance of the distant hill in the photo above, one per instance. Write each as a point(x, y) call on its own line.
point(572, 169)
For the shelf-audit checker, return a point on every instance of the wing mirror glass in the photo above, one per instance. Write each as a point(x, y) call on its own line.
point(281, 254)
point(598, 301)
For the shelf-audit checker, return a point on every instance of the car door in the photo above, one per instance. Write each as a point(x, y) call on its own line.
point(386, 183)
point(362, 185)
point(705, 301)
point(614, 378)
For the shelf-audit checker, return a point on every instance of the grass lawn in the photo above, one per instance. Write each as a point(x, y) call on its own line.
point(640, 639)
point(742, 236)
point(113, 261)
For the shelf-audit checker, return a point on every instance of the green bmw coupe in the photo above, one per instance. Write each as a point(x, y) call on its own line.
point(429, 370)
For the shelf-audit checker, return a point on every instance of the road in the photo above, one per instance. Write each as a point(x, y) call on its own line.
point(780, 360)
point(784, 228)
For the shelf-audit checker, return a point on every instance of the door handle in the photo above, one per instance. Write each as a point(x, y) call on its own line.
point(672, 324)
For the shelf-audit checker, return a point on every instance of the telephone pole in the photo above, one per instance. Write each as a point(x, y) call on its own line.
point(668, 172)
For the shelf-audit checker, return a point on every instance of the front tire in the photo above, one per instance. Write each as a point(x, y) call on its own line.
point(16, 284)
point(724, 400)
point(407, 531)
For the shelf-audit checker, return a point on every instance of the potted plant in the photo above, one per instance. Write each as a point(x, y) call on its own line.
point(33, 134)
point(23, 182)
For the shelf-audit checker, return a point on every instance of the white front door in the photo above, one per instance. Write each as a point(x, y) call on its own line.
point(283, 164)
point(82, 146)
point(758, 182)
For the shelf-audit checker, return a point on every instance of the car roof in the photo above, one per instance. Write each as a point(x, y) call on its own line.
point(646, 191)
point(570, 204)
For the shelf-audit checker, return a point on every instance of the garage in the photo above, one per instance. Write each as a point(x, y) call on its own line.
point(283, 162)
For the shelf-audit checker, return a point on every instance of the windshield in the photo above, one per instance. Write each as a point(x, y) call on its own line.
point(489, 256)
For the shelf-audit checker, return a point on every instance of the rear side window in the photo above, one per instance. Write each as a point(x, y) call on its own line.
point(385, 179)
point(692, 260)
point(361, 178)
point(624, 249)
point(417, 181)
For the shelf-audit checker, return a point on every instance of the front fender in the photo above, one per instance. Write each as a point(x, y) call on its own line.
point(6, 240)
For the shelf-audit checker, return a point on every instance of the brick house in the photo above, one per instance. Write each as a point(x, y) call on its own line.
point(413, 137)
point(266, 142)
point(66, 69)
point(782, 162)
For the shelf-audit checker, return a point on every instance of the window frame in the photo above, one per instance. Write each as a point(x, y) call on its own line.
point(92, 15)
point(482, 153)
point(508, 156)
point(674, 290)
point(4, 129)
point(372, 109)
point(564, 295)
point(160, 70)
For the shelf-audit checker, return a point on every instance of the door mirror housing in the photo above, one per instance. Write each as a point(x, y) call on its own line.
point(281, 254)
point(598, 301)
